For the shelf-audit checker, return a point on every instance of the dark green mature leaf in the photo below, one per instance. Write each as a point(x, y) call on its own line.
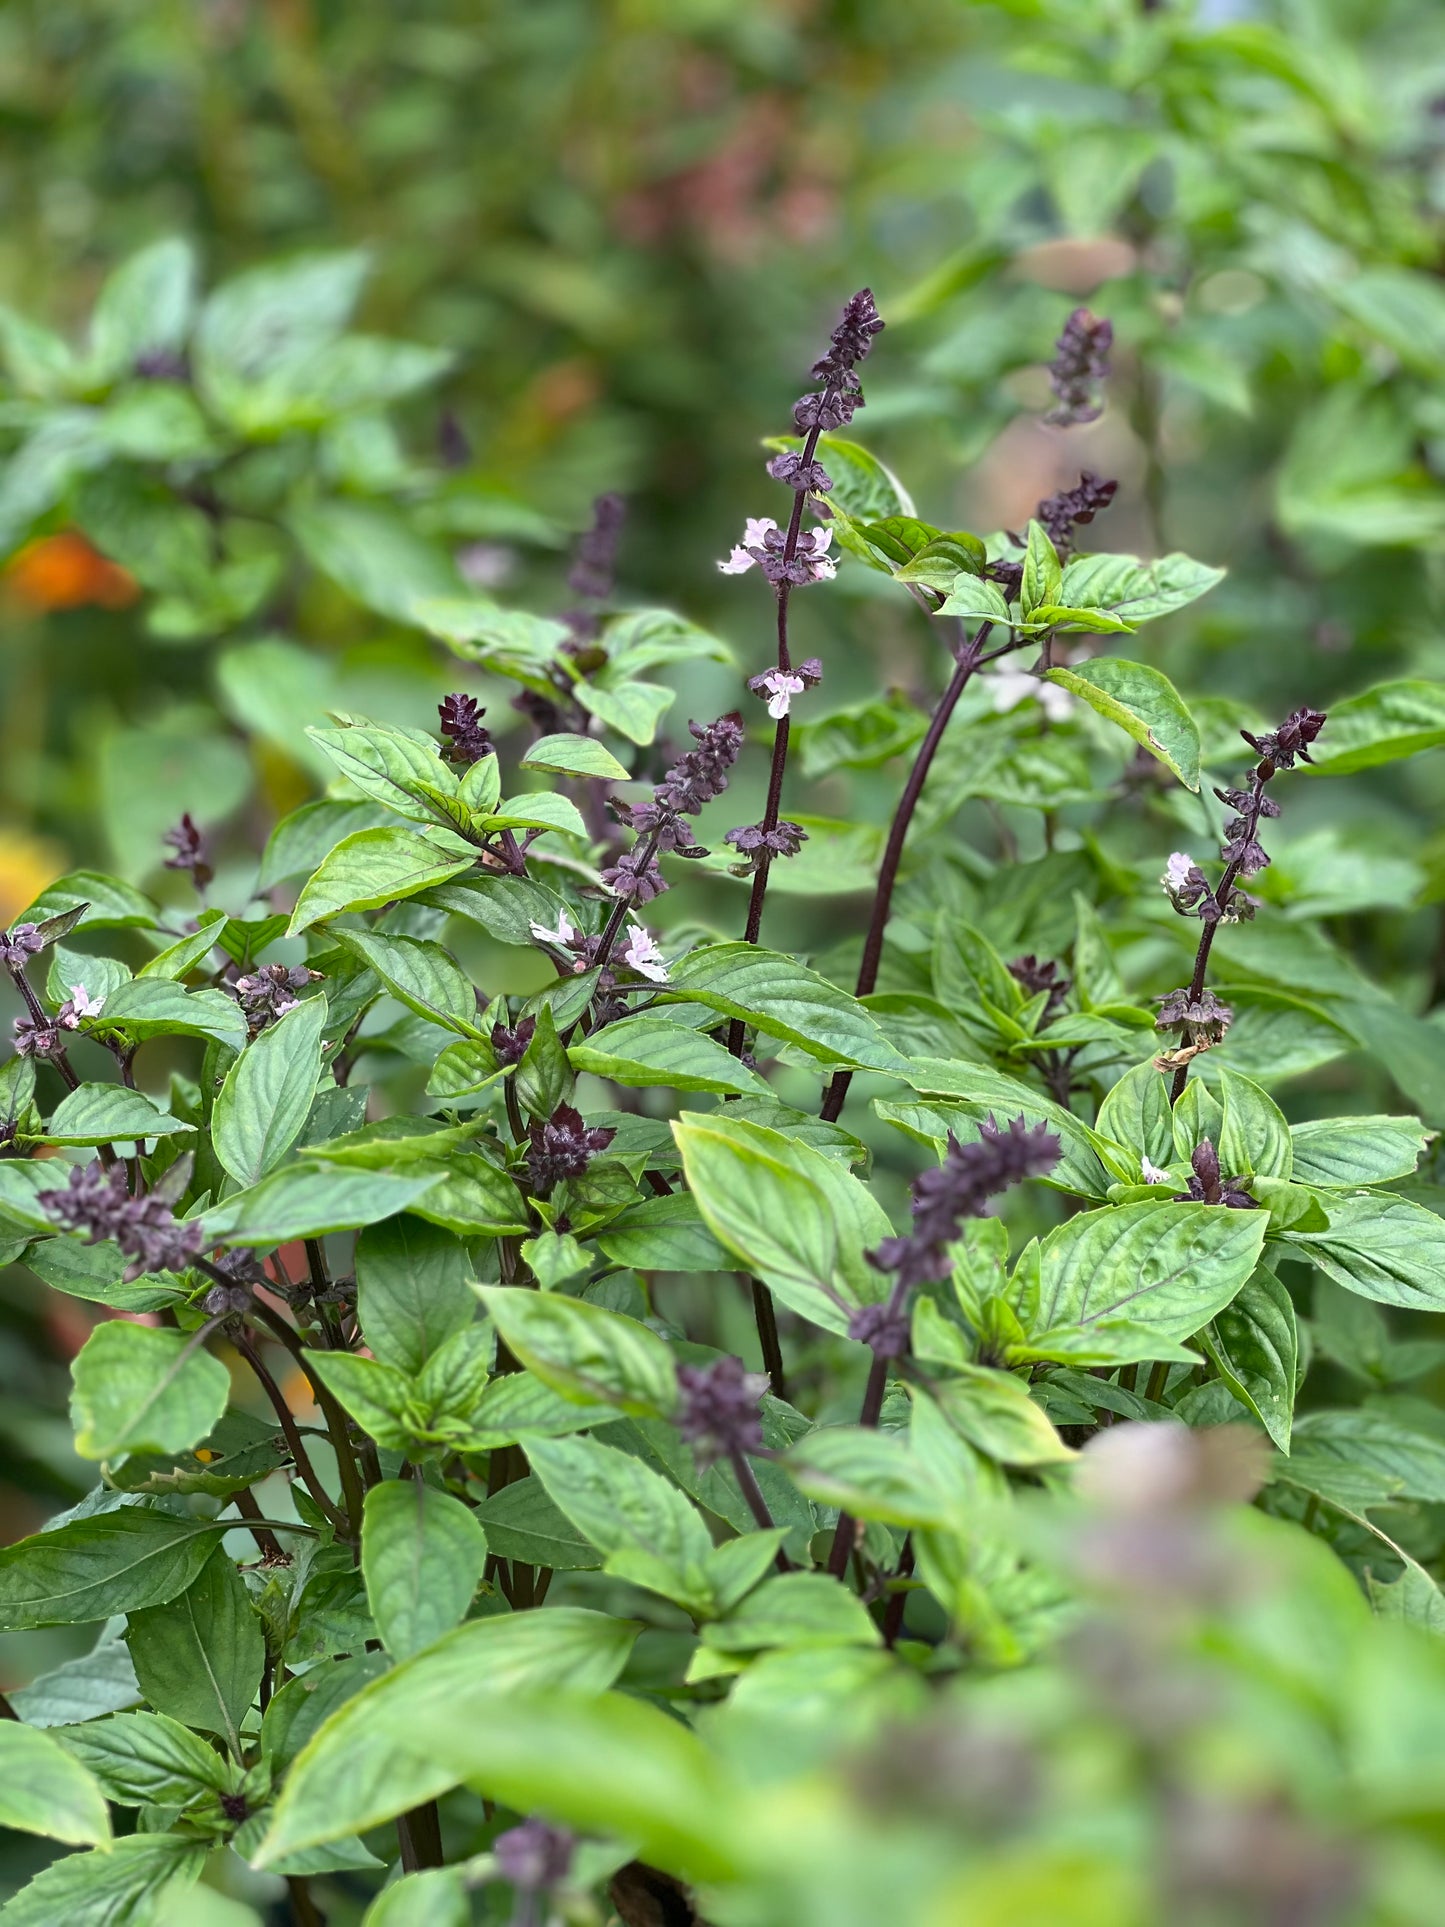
point(374, 1758)
point(422, 1554)
point(584, 1351)
point(413, 1289)
point(794, 1609)
point(643, 1051)
point(113, 1889)
point(647, 1531)
point(1364, 1459)
point(663, 1234)
point(1162, 1270)
point(523, 1523)
point(422, 975)
point(139, 1390)
point(104, 903)
point(115, 1562)
point(472, 1197)
point(1391, 720)
point(309, 1200)
point(146, 1759)
point(1255, 1348)
point(375, 867)
point(786, 1000)
point(263, 1105)
point(200, 1657)
point(45, 1790)
point(239, 1451)
point(1145, 705)
point(98, 1682)
point(108, 1114)
point(155, 1007)
point(793, 1215)
point(1351, 1151)
point(1382, 1247)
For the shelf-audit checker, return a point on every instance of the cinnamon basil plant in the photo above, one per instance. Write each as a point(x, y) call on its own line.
point(867, 1399)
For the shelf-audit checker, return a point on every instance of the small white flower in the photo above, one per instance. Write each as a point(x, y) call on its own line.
point(1014, 686)
point(285, 1004)
point(754, 529)
point(560, 937)
point(83, 1004)
point(643, 955)
point(1176, 872)
point(783, 689)
point(1152, 1174)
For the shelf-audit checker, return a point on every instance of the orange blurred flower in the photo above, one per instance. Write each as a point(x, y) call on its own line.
point(65, 571)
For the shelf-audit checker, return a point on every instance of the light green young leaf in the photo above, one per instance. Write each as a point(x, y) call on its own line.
point(1382, 724)
point(1254, 1136)
point(1042, 572)
point(45, 1790)
point(1145, 705)
point(139, 1389)
point(569, 755)
point(264, 1103)
point(422, 1554)
point(992, 1410)
point(377, 1395)
point(436, 1897)
point(633, 709)
point(583, 1351)
point(374, 867)
point(808, 1609)
point(662, 1234)
point(374, 1757)
point(975, 600)
point(200, 1657)
point(1136, 592)
point(144, 308)
point(644, 1051)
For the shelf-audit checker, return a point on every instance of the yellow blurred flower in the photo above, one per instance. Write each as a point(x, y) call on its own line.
point(27, 864)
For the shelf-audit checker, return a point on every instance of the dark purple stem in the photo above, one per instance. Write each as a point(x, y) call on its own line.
point(968, 658)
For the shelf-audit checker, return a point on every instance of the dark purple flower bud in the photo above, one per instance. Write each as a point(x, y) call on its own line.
point(1290, 742)
point(161, 364)
point(534, 1857)
point(806, 477)
point(461, 722)
point(540, 711)
point(190, 851)
point(1035, 976)
point(636, 876)
point(36, 1039)
point(719, 1414)
point(883, 1328)
point(1081, 360)
point(758, 845)
point(268, 993)
point(1208, 1187)
point(702, 773)
point(95, 1201)
point(453, 448)
point(20, 944)
point(968, 1177)
point(563, 1147)
point(1061, 512)
point(593, 566)
point(510, 1046)
point(1202, 1020)
point(851, 339)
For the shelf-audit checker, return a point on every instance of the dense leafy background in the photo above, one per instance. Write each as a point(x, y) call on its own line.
point(614, 238)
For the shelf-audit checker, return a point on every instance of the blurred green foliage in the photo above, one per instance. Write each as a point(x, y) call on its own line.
point(417, 282)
